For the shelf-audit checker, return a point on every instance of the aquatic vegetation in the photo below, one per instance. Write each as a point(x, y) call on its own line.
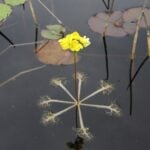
point(111, 24)
point(81, 130)
point(53, 32)
point(74, 42)
point(101, 27)
point(133, 75)
point(15, 2)
point(5, 11)
point(50, 52)
point(132, 15)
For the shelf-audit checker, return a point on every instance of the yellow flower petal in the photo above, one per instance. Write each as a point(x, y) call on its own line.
point(74, 42)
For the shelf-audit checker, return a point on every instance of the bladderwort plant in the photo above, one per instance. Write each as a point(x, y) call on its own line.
point(81, 130)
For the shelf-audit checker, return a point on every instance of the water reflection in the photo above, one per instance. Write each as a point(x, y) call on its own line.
point(77, 144)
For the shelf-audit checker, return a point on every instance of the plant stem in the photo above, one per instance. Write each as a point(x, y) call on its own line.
point(138, 70)
point(76, 87)
point(106, 57)
point(20, 74)
point(4, 36)
point(131, 87)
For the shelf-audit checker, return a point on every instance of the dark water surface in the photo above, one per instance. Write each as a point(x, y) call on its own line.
point(20, 126)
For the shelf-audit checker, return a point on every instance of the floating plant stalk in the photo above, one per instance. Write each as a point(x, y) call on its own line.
point(53, 15)
point(132, 58)
point(18, 45)
point(20, 74)
point(35, 22)
point(109, 7)
point(106, 4)
point(75, 87)
point(106, 57)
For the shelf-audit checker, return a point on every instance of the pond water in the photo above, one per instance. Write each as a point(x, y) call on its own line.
point(20, 116)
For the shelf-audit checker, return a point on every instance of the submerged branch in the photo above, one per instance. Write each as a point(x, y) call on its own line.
point(58, 20)
point(18, 45)
point(4, 36)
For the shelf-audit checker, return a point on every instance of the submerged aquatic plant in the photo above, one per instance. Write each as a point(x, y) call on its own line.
point(81, 130)
point(133, 75)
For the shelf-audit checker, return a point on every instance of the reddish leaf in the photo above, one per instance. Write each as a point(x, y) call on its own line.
point(50, 52)
point(112, 24)
point(132, 15)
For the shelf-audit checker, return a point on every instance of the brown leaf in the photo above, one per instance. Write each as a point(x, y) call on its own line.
point(50, 52)
point(109, 23)
point(132, 15)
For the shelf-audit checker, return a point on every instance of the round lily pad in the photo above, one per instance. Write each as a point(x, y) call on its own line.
point(53, 32)
point(50, 52)
point(5, 11)
point(112, 24)
point(15, 2)
point(57, 28)
point(132, 15)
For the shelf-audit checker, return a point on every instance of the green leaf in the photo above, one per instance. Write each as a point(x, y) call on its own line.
point(57, 28)
point(5, 11)
point(53, 32)
point(15, 2)
point(50, 35)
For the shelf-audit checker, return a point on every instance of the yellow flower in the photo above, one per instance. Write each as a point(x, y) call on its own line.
point(74, 42)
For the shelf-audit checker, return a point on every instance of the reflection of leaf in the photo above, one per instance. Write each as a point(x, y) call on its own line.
point(112, 24)
point(132, 15)
point(5, 11)
point(53, 32)
point(15, 2)
point(51, 52)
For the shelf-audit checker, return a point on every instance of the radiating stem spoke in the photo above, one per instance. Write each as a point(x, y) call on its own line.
point(96, 92)
point(80, 118)
point(79, 88)
point(67, 91)
point(95, 106)
point(64, 110)
point(47, 101)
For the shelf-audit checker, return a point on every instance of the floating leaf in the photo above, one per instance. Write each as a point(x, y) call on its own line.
point(112, 24)
point(56, 28)
point(5, 11)
point(50, 35)
point(15, 2)
point(132, 15)
point(53, 32)
point(50, 52)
